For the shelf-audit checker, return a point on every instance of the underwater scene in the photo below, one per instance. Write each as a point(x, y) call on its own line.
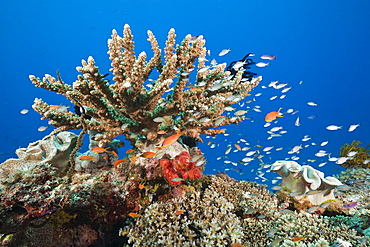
point(197, 123)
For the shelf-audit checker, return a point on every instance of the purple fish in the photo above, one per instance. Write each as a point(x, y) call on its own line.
point(268, 57)
point(351, 205)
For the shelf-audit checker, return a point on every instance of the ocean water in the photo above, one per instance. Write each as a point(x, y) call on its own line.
point(322, 50)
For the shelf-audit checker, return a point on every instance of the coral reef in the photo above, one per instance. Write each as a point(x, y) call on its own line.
point(156, 195)
point(360, 157)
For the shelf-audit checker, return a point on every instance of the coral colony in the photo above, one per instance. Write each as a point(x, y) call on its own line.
point(156, 194)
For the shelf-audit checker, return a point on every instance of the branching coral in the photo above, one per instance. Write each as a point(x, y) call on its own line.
point(196, 219)
point(360, 159)
point(138, 111)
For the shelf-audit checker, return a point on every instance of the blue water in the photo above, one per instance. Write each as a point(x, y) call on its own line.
point(325, 44)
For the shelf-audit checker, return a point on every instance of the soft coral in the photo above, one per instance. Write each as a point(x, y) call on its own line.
point(180, 167)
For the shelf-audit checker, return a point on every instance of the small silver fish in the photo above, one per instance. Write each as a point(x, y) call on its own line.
point(229, 108)
point(334, 127)
point(312, 210)
point(224, 52)
point(353, 127)
point(312, 104)
point(250, 153)
point(177, 179)
point(277, 187)
point(295, 194)
point(240, 112)
point(313, 192)
point(204, 69)
point(324, 143)
point(24, 111)
point(251, 211)
point(272, 232)
point(322, 164)
point(343, 187)
point(286, 89)
point(273, 97)
point(261, 64)
point(247, 159)
point(341, 160)
point(276, 242)
point(280, 86)
point(42, 128)
point(159, 119)
point(297, 123)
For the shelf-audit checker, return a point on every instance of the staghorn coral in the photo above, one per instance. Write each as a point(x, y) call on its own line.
point(360, 159)
point(127, 107)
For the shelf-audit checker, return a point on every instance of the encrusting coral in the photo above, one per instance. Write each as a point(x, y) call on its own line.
point(138, 111)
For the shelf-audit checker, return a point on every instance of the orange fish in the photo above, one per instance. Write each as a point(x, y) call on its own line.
point(119, 162)
point(238, 147)
point(134, 215)
point(148, 155)
point(98, 150)
point(85, 157)
point(272, 115)
point(54, 107)
point(237, 245)
point(130, 151)
point(161, 132)
point(179, 212)
point(133, 159)
point(141, 186)
point(170, 140)
point(296, 239)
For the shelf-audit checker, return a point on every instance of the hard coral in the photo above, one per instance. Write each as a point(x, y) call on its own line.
point(180, 167)
point(128, 107)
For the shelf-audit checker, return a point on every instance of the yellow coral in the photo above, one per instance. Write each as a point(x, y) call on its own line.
point(358, 160)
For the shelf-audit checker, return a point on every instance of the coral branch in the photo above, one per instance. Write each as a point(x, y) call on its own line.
point(130, 104)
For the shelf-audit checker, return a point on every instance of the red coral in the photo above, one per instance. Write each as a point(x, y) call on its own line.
point(180, 167)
